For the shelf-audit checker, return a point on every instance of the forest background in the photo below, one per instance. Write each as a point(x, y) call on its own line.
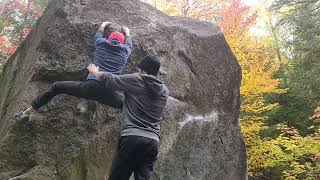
point(277, 43)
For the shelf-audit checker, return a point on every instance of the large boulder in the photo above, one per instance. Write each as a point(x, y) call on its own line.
point(72, 138)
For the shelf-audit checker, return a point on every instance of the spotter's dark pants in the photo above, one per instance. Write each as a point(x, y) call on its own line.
point(90, 89)
point(136, 155)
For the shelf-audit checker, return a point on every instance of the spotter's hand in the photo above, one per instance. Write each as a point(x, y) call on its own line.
point(93, 69)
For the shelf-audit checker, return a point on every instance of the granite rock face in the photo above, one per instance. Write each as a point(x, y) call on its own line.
point(72, 138)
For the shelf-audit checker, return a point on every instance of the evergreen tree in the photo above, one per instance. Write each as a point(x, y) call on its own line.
point(301, 20)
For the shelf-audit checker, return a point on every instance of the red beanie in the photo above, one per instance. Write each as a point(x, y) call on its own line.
point(116, 35)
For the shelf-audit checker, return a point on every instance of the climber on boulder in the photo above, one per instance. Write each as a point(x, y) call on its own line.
point(112, 50)
point(144, 102)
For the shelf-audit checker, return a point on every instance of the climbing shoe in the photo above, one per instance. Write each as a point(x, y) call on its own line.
point(22, 115)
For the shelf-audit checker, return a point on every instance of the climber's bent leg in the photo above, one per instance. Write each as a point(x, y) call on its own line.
point(79, 89)
point(112, 98)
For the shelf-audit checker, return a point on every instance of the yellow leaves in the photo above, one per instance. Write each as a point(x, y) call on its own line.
point(256, 105)
point(251, 126)
point(316, 116)
point(299, 149)
point(172, 11)
point(264, 154)
point(287, 152)
point(159, 4)
point(258, 62)
point(195, 9)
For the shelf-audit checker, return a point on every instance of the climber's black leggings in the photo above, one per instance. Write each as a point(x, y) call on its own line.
point(90, 89)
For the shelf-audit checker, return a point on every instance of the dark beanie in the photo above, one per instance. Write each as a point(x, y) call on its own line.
point(150, 64)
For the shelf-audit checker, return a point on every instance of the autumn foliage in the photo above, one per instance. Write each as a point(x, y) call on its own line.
point(17, 19)
point(280, 110)
point(236, 18)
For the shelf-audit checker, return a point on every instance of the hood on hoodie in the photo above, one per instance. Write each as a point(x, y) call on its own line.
point(155, 87)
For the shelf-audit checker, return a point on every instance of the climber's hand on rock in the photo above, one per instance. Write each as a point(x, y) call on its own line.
point(93, 69)
point(125, 31)
point(103, 25)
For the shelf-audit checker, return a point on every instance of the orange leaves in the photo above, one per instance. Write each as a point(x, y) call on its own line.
point(14, 5)
point(17, 18)
point(2, 39)
point(236, 17)
point(21, 6)
point(9, 50)
point(4, 48)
